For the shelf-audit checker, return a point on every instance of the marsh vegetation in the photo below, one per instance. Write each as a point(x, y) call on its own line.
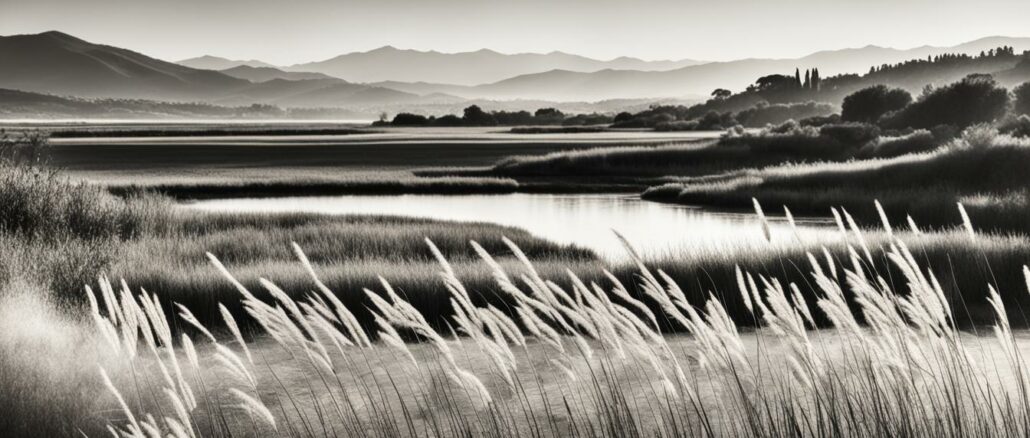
point(904, 316)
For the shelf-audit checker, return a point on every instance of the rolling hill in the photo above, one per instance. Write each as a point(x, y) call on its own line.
point(54, 62)
point(57, 63)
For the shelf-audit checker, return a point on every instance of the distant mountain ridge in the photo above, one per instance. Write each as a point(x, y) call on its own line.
point(57, 63)
point(465, 68)
point(699, 80)
point(264, 74)
point(208, 62)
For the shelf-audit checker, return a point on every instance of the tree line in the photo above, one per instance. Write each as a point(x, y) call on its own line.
point(473, 115)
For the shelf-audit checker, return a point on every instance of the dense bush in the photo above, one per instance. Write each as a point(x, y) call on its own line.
point(1021, 103)
point(852, 134)
point(818, 121)
point(678, 125)
point(408, 119)
point(476, 116)
point(763, 114)
point(1017, 127)
point(38, 203)
point(869, 104)
point(975, 99)
point(885, 147)
point(587, 119)
point(668, 118)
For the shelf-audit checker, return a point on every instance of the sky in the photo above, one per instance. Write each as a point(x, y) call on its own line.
point(286, 32)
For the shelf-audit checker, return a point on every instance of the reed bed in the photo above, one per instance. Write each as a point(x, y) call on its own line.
point(870, 354)
point(324, 187)
point(982, 169)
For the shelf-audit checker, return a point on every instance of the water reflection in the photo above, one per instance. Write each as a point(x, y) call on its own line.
point(585, 220)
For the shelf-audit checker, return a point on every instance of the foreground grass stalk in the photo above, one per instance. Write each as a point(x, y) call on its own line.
point(869, 355)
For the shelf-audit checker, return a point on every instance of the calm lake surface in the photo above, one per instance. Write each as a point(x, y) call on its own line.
point(584, 220)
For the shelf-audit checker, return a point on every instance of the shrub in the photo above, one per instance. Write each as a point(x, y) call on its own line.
point(818, 121)
point(41, 204)
point(23, 148)
point(679, 125)
point(1017, 127)
point(885, 147)
point(851, 134)
point(763, 113)
point(869, 104)
point(475, 116)
point(1022, 99)
point(980, 136)
point(785, 127)
point(408, 119)
point(974, 99)
point(588, 119)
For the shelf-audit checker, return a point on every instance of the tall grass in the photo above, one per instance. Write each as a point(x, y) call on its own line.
point(983, 169)
point(737, 149)
point(570, 358)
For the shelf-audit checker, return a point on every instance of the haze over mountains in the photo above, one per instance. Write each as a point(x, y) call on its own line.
point(208, 62)
point(467, 68)
point(701, 79)
point(57, 63)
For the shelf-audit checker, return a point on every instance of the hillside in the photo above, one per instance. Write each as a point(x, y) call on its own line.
point(60, 64)
point(54, 62)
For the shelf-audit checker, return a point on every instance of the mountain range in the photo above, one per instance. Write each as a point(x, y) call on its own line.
point(699, 80)
point(467, 68)
point(57, 63)
point(208, 62)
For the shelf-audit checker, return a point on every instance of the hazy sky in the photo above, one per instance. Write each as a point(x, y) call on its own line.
point(292, 31)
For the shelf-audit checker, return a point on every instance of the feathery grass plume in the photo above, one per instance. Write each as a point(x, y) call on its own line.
point(966, 223)
point(356, 333)
point(188, 316)
point(742, 287)
point(912, 225)
point(230, 323)
point(793, 225)
point(253, 406)
point(225, 273)
point(133, 424)
point(894, 364)
point(883, 218)
point(765, 222)
point(191, 351)
point(182, 425)
point(859, 236)
point(840, 223)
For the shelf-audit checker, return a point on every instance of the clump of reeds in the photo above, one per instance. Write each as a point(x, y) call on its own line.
point(583, 359)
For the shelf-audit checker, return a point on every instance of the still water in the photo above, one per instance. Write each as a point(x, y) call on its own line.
point(583, 220)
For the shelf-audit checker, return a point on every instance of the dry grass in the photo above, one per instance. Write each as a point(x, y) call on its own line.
point(582, 359)
point(983, 169)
